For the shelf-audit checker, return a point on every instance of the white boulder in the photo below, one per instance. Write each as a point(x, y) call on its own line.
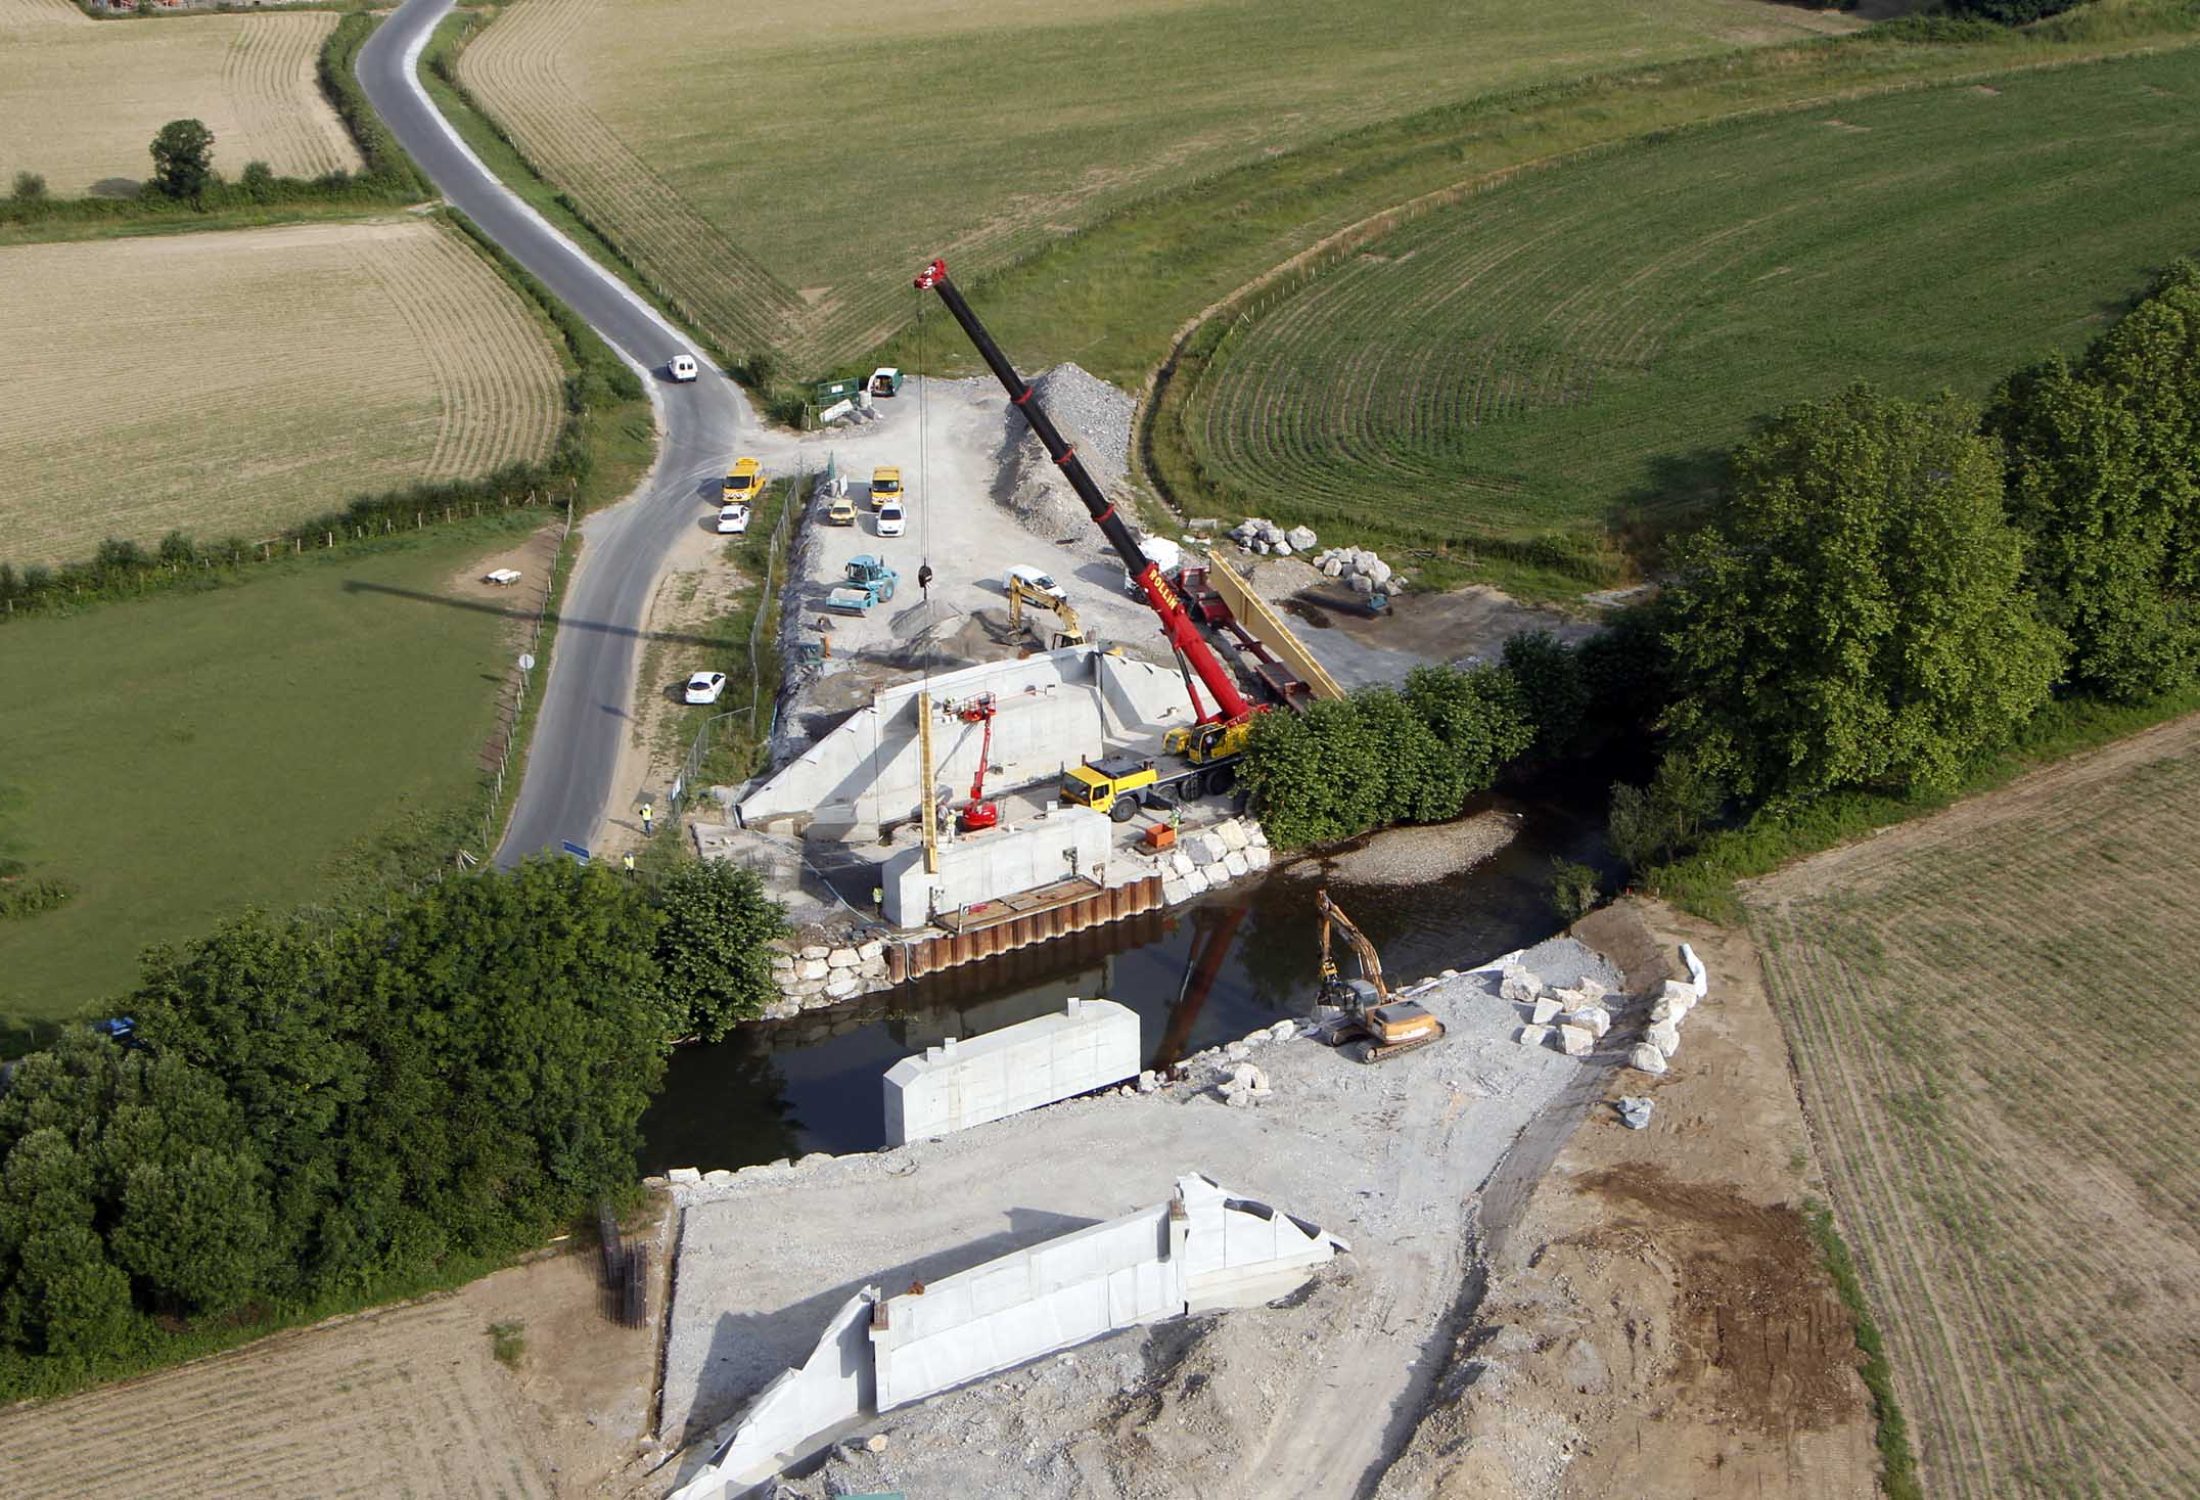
point(1575, 1041)
point(843, 958)
point(1536, 1036)
point(1234, 863)
point(1665, 1036)
point(1594, 1018)
point(1645, 1058)
point(1519, 986)
point(1232, 833)
point(1258, 858)
point(1543, 1011)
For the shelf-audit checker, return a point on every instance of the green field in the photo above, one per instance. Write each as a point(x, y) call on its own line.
point(1562, 349)
point(179, 758)
point(781, 168)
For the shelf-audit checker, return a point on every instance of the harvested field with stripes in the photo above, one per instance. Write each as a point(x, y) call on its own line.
point(231, 384)
point(1582, 342)
point(80, 99)
point(1989, 1021)
point(782, 168)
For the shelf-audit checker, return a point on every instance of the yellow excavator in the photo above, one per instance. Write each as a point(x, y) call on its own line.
point(1072, 632)
point(1364, 1007)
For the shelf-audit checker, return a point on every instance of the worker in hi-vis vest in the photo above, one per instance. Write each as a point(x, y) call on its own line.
point(649, 820)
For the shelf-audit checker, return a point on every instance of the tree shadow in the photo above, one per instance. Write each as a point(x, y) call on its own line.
point(526, 616)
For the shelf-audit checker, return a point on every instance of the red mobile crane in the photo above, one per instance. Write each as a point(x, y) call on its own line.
point(1220, 732)
point(979, 814)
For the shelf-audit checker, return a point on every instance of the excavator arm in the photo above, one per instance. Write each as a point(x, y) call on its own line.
point(1176, 621)
point(1371, 963)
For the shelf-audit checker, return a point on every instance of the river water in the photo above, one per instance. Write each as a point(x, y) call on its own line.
point(1198, 974)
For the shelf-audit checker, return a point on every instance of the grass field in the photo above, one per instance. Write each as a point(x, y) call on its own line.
point(782, 169)
point(180, 757)
point(81, 99)
point(1987, 1019)
point(231, 384)
point(1567, 345)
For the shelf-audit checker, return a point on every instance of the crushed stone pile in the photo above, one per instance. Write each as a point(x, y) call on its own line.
point(1095, 418)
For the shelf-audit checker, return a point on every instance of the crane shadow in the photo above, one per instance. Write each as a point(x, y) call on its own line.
point(508, 612)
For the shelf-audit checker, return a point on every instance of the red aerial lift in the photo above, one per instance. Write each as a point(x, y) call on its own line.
point(978, 814)
point(1221, 730)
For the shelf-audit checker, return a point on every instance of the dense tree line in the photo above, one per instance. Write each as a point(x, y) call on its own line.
point(318, 1107)
point(1885, 593)
point(1889, 591)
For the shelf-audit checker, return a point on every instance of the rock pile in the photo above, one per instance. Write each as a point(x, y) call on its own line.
point(1213, 857)
point(1359, 570)
point(1096, 418)
point(820, 973)
point(1267, 539)
point(1674, 1000)
point(1573, 1018)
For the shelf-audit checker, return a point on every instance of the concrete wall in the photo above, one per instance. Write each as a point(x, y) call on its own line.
point(1091, 1044)
point(1206, 1248)
point(1065, 1292)
point(1065, 841)
point(834, 1385)
point(1054, 709)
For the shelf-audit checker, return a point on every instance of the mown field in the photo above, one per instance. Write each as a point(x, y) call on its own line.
point(81, 99)
point(1987, 1018)
point(782, 168)
point(180, 757)
point(1582, 340)
point(233, 383)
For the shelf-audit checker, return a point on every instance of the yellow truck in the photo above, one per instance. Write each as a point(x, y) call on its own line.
point(1119, 785)
point(885, 486)
point(743, 484)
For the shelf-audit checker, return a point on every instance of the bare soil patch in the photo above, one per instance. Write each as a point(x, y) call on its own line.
point(2000, 1087)
point(1657, 1321)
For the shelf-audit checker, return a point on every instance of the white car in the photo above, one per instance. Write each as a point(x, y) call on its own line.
point(891, 521)
point(1033, 584)
point(683, 368)
point(706, 687)
point(733, 520)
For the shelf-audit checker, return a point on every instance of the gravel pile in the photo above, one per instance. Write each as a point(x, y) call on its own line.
point(1095, 418)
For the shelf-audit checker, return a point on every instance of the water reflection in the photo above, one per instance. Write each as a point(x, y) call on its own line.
point(1197, 975)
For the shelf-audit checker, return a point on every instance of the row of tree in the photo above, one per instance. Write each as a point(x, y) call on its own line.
point(1885, 592)
point(317, 1107)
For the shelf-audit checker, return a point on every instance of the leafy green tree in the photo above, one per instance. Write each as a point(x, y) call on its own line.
point(2150, 364)
point(258, 181)
point(30, 187)
point(183, 158)
point(1479, 717)
point(59, 1293)
point(2099, 532)
point(1313, 777)
point(1853, 615)
point(197, 1229)
point(1667, 817)
point(1553, 688)
point(1575, 889)
point(712, 949)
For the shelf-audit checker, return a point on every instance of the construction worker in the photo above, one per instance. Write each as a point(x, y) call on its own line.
point(649, 820)
point(627, 859)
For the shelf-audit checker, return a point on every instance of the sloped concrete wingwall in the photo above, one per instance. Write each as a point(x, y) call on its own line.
point(1067, 1291)
point(1055, 708)
point(834, 1385)
point(951, 1087)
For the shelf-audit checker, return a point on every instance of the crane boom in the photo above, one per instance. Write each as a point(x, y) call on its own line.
point(1176, 621)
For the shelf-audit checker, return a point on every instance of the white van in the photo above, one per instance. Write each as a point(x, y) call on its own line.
point(1034, 585)
point(1163, 554)
point(683, 368)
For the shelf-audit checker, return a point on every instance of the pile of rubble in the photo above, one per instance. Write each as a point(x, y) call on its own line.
point(822, 972)
point(1571, 1018)
point(1267, 539)
point(1359, 570)
point(1574, 1019)
point(1213, 857)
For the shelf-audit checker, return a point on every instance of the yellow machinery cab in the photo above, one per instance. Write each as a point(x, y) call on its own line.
point(1110, 785)
point(885, 486)
point(743, 484)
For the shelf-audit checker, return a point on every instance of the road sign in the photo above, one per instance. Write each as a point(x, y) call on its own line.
point(576, 851)
point(526, 662)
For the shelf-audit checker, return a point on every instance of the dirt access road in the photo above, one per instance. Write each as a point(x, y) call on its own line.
point(1658, 1321)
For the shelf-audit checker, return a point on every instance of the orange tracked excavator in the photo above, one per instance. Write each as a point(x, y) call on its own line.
point(1356, 1010)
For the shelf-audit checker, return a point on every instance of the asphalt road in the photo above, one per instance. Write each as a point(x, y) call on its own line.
point(589, 695)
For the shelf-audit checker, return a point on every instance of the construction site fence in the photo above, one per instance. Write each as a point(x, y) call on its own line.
point(758, 719)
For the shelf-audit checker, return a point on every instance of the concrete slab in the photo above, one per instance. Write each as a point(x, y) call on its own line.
point(962, 1083)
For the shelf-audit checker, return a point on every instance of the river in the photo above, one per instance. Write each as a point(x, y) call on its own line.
point(1206, 972)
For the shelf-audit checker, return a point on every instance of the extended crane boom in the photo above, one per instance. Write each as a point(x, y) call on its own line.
point(1176, 622)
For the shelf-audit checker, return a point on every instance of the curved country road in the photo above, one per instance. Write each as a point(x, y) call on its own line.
point(588, 701)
